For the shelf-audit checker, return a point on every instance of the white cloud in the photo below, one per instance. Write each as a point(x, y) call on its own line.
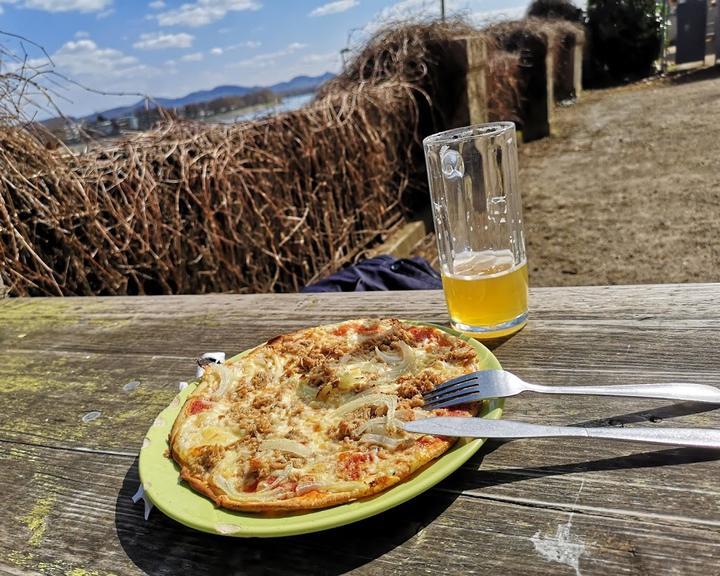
point(81, 34)
point(418, 10)
point(194, 57)
point(160, 41)
point(204, 12)
point(326, 58)
point(246, 44)
point(220, 50)
point(62, 5)
point(403, 10)
point(334, 7)
point(269, 58)
point(156, 5)
point(485, 17)
point(85, 58)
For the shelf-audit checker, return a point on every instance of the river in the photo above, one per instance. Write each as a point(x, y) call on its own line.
point(285, 105)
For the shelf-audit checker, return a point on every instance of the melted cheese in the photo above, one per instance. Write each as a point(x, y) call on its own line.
point(285, 406)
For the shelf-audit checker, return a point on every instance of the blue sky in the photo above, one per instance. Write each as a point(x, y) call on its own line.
point(172, 47)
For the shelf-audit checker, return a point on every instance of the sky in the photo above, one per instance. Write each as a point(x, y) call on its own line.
point(168, 48)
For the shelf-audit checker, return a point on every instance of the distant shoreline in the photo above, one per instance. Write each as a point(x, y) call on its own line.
point(232, 114)
point(284, 104)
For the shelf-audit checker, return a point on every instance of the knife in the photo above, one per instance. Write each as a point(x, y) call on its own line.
point(485, 428)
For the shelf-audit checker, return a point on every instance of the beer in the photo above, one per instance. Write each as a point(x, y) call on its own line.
point(487, 293)
point(472, 173)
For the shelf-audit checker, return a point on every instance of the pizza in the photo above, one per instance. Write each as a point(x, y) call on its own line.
point(314, 418)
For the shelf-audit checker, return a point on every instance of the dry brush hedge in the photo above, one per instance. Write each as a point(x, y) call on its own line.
point(555, 35)
point(189, 208)
point(262, 206)
point(420, 54)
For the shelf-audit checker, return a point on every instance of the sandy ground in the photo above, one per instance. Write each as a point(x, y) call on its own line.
point(627, 190)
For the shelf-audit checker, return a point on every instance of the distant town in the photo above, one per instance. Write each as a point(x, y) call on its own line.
point(218, 104)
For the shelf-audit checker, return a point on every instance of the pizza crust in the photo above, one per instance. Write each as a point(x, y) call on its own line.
point(399, 463)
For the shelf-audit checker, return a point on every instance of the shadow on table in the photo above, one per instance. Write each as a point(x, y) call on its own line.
point(653, 414)
point(651, 459)
point(163, 546)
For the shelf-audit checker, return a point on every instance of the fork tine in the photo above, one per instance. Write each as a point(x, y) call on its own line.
point(452, 394)
point(461, 399)
point(451, 385)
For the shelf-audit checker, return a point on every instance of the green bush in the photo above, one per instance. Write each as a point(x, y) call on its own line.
point(625, 37)
point(555, 9)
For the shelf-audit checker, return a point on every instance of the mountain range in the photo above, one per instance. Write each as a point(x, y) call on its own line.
point(297, 85)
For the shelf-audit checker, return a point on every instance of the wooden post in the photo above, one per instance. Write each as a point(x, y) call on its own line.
point(578, 65)
point(476, 79)
point(568, 67)
point(536, 81)
point(550, 89)
point(471, 106)
point(717, 32)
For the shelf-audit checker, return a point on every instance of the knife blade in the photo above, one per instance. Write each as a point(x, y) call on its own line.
point(484, 428)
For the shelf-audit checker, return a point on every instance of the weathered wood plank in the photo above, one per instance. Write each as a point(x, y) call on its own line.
point(153, 341)
point(634, 508)
point(627, 479)
point(48, 399)
point(181, 325)
point(88, 496)
point(44, 398)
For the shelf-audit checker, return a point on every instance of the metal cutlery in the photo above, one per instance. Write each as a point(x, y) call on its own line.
point(486, 428)
point(501, 384)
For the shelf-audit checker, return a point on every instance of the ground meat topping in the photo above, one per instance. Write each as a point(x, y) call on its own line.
point(209, 456)
point(460, 353)
point(410, 385)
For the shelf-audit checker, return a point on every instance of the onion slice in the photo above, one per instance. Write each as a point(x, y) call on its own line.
point(388, 358)
point(382, 440)
point(305, 487)
point(225, 485)
point(349, 486)
point(344, 486)
point(373, 424)
point(227, 377)
point(286, 445)
point(369, 400)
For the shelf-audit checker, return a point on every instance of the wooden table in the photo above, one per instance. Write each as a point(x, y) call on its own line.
point(522, 507)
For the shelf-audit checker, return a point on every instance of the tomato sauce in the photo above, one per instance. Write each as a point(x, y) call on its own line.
point(351, 463)
point(342, 330)
point(426, 441)
point(368, 329)
point(197, 406)
point(421, 333)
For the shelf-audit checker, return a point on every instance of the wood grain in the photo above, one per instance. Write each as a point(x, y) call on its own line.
point(93, 525)
point(516, 507)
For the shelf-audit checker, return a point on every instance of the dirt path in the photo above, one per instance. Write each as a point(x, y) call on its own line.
point(628, 191)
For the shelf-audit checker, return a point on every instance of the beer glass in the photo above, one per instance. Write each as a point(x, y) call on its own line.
point(473, 177)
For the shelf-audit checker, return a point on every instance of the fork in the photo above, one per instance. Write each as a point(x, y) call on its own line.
point(501, 384)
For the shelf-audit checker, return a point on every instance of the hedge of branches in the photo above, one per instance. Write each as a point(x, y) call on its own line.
point(420, 54)
point(268, 205)
point(510, 35)
point(187, 208)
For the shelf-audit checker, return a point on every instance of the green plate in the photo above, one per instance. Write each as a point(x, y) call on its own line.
point(160, 479)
